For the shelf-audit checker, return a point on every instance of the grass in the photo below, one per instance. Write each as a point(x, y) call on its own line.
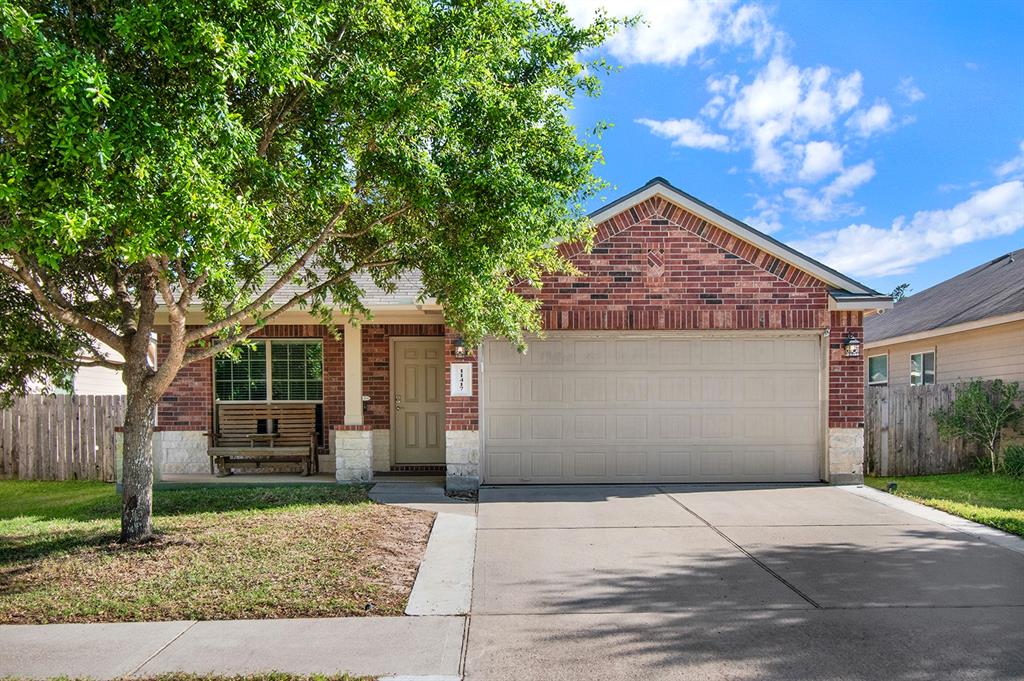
point(996, 500)
point(218, 553)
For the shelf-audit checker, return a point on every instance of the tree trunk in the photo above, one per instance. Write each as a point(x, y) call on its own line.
point(137, 477)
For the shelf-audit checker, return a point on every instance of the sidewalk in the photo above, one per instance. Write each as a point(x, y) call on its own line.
point(371, 646)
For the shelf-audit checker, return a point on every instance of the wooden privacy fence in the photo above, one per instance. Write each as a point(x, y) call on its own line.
point(901, 437)
point(60, 437)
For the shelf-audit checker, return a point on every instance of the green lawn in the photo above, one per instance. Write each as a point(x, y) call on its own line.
point(996, 500)
point(218, 553)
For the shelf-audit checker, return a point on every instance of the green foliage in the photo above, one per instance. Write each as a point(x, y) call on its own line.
point(1013, 460)
point(979, 413)
point(900, 292)
point(177, 151)
point(996, 500)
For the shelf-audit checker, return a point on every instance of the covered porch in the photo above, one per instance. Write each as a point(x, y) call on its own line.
point(377, 393)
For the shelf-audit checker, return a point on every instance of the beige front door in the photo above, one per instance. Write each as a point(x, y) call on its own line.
point(418, 401)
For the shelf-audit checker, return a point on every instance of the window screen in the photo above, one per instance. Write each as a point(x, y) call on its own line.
point(922, 368)
point(244, 379)
point(297, 371)
point(878, 369)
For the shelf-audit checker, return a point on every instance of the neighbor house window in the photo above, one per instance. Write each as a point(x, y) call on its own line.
point(922, 368)
point(878, 370)
point(294, 370)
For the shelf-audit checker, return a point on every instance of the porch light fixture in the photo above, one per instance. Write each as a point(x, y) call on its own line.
point(460, 348)
point(852, 346)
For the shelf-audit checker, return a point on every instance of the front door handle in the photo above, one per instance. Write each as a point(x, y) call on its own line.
point(398, 403)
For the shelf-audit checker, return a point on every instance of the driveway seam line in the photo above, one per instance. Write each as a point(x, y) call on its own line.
point(163, 648)
point(749, 555)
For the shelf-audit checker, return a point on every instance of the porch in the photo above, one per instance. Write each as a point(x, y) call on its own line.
point(380, 393)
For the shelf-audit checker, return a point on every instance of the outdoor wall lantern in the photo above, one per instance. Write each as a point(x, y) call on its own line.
point(852, 346)
point(460, 348)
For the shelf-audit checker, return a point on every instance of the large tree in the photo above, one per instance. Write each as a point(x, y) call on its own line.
point(161, 155)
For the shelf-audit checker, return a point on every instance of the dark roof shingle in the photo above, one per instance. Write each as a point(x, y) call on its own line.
point(990, 290)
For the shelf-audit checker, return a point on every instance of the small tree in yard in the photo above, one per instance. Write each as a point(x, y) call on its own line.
point(158, 157)
point(979, 413)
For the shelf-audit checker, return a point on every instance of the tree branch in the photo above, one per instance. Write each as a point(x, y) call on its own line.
point(59, 307)
point(266, 296)
point(205, 353)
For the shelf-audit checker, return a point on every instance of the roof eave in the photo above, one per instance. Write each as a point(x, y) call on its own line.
point(995, 320)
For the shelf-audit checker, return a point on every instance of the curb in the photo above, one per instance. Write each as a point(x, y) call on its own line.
point(985, 533)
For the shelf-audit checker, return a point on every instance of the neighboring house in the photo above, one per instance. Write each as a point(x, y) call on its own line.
point(693, 349)
point(93, 380)
point(970, 326)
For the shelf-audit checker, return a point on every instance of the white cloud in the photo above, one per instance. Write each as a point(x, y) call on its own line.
point(784, 103)
point(867, 122)
point(769, 217)
point(829, 203)
point(909, 90)
point(672, 31)
point(870, 251)
point(821, 159)
point(1013, 166)
point(685, 132)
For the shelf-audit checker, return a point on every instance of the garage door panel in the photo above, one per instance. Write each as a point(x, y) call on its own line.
point(675, 353)
point(601, 408)
point(587, 389)
point(675, 464)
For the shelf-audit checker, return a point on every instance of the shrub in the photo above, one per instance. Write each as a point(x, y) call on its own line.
point(979, 413)
point(1013, 460)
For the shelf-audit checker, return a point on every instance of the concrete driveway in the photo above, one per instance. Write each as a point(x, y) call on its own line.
point(690, 582)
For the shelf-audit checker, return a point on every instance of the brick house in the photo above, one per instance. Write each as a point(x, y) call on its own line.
point(693, 348)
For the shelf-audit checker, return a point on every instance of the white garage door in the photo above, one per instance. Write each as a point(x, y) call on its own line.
point(590, 408)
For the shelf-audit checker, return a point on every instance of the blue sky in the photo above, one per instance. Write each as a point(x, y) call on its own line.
point(884, 138)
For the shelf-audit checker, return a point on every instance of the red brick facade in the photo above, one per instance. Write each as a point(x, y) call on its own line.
point(461, 413)
point(668, 269)
point(845, 374)
point(377, 366)
point(188, 403)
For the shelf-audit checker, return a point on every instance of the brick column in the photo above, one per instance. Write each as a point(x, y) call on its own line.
point(461, 422)
point(845, 401)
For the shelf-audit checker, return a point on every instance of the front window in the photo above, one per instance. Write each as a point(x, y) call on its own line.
point(294, 370)
point(878, 370)
point(297, 371)
point(244, 379)
point(922, 368)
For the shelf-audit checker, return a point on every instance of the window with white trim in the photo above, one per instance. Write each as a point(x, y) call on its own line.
point(878, 370)
point(922, 368)
point(294, 370)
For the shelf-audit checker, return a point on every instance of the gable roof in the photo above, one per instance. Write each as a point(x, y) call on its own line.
point(865, 296)
point(994, 289)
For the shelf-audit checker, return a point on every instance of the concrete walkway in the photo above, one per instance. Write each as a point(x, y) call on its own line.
point(379, 646)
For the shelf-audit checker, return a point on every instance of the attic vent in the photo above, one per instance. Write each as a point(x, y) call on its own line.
point(655, 262)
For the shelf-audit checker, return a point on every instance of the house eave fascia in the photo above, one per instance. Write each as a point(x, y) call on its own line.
point(425, 313)
point(660, 187)
point(946, 330)
point(859, 303)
